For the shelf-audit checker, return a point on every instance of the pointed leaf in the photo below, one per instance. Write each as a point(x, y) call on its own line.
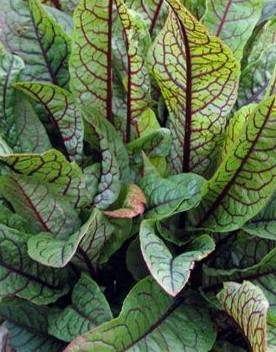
point(10, 68)
point(133, 204)
point(63, 114)
point(20, 276)
point(197, 76)
point(233, 21)
point(89, 309)
point(248, 306)
point(151, 320)
point(30, 32)
point(244, 181)
point(171, 273)
point(28, 326)
point(33, 200)
point(90, 61)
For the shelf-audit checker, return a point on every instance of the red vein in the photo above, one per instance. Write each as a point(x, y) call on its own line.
point(229, 2)
point(156, 14)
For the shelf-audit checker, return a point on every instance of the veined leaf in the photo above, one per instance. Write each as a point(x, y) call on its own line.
point(269, 10)
point(49, 250)
point(172, 195)
point(259, 66)
point(10, 68)
point(197, 76)
point(233, 21)
point(28, 326)
point(89, 309)
point(196, 7)
point(20, 276)
point(138, 82)
point(115, 161)
point(30, 32)
point(4, 147)
point(90, 61)
point(12, 220)
point(248, 306)
point(68, 6)
point(34, 201)
point(171, 273)
point(63, 114)
point(235, 127)
point(32, 136)
point(264, 224)
point(63, 19)
point(163, 324)
point(133, 204)
point(244, 181)
point(52, 167)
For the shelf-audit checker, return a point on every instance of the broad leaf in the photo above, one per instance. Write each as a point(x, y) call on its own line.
point(30, 32)
point(264, 224)
point(4, 147)
point(43, 209)
point(63, 114)
point(138, 82)
point(168, 196)
point(115, 161)
point(89, 309)
point(64, 20)
point(52, 167)
point(248, 306)
point(10, 68)
point(90, 61)
point(172, 273)
point(244, 181)
point(197, 76)
point(20, 276)
point(196, 7)
point(12, 220)
point(50, 250)
point(28, 326)
point(233, 21)
point(151, 320)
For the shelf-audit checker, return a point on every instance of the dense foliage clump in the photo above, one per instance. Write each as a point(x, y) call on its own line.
point(137, 175)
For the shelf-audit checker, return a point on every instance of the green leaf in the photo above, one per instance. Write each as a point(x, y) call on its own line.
point(171, 273)
point(34, 201)
point(269, 10)
point(264, 224)
point(151, 320)
point(28, 326)
point(244, 181)
point(22, 277)
point(36, 38)
point(248, 306)
point(4, 147)
point(63, 19)
point(90, 61)
point(196, 7)
point(115, 161)
point(10, 68)
point(172, 195)
point(66, 179)
point(259, 65)
point(50, 250)
point(198, 77)
point(135, 262)
point(233, 21)
point(132, 206)
point(138, 82)
point(63, 114)
point(10, 219)
point(88, 310)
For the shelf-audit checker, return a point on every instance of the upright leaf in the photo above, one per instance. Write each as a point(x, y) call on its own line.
point(233, 21)
point(22, 277)
point(30, 32)
point(197, 76)
point(248, 306)
point(90, 61)
point(28, 326)
point(63, 114)
point(172, 273)
point(244, 181)
point(150, 320)
point(88, 310)
point(43, 209)
point(10, 68)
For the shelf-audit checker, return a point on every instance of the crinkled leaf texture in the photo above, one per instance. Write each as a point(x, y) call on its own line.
point(151, 320)
point(89, 309)
point(248, 306)
point(172, 273)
